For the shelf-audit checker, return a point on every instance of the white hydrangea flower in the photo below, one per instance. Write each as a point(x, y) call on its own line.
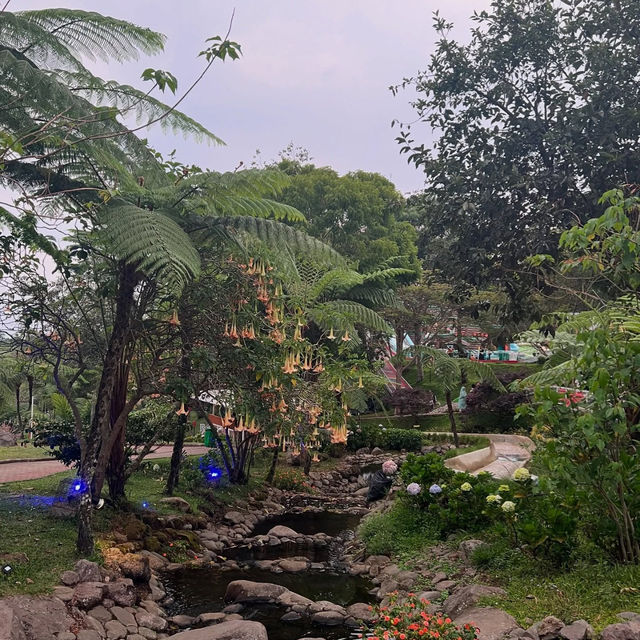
point(494, 498)
point(521, 474)
point(509, 507)
point(414, 489)
point(465, 487)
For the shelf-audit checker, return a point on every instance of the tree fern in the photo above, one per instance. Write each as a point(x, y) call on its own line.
point(151, 241)
point(343, 315)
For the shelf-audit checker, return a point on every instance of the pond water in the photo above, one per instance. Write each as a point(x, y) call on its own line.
point(246, 553)
point(309, 522)
point(198, 591)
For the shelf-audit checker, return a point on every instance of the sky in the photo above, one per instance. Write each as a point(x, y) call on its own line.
point(314, 73)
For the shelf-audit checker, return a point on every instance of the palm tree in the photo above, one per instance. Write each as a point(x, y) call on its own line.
point(451, 372)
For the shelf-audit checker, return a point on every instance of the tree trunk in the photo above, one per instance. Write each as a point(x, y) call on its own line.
point(84, 542)
point(305, 460)
point(452, 419)
point(272, 468)
point(100, 430)
point(176, 456)
point(18, 410)
point(115, 470)
point(419, 361)
point(399, 352)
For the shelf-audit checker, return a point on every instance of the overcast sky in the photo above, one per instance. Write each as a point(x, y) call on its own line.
point(314, 73)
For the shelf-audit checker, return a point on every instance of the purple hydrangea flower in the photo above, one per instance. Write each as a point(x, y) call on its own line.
point(435, 489)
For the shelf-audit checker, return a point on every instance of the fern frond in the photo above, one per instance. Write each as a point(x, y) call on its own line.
point(561, 374)
point(344, 314)
point(152, 241)
point(333, 282)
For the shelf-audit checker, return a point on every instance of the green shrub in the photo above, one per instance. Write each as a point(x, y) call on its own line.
point(374, 435)
point(291, 480)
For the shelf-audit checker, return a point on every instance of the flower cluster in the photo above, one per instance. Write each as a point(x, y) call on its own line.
point(409, 620)
point(435, 489)
point(414, 489)
point(389, 467)
point(290, 480)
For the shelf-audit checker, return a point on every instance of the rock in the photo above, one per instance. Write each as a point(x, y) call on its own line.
point(445, 585)
point(135, 566)
point(181, 621)
point(123, 616)
point(361, 611)
point(290, 599)
point(63, 635)
point(467, 547)
point(87, 595)
point(40, 617)
point(291, 616)
point(493, 623)
point(122, 594)
point(578, 630)
point(151, 621)
point(377, 451)
point(95, 625)
point(88, 571)
point(88, 634)
point(406, 579)
point(282, 532)
point(115, 630)
point(429, 595)
point(149, 634)
point(622, 631)
point(549, 628)
point(247, 591)
point(235, 517)
point(328, 618)
point(101, 614)
point(135, 636)
point(467, 597)
point(10, 625)
point(64, 593)
point(232, 630)
point(70, 578)
point(177, 503)
point(8, 439)
point(210, 618)
point(629, 615)
point(293, 566)
point(439, 577)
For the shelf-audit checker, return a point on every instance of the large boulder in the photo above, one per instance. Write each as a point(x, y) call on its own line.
point(247, 591)
point(177, 503)
point(232, 630)
point(492, 623)
point(467, 547)
point(87, 595)
point(578, 630)
point(467, 597)
point(361, 611)
point(38, 618)
point(135, 566)
point(291, 565)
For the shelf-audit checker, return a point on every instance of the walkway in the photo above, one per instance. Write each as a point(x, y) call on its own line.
point(25, 470)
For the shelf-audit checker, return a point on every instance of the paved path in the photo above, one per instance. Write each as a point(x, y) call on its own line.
point(22, 470)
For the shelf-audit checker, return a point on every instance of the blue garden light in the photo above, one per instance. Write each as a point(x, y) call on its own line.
point(145, 504)
point(77, 488)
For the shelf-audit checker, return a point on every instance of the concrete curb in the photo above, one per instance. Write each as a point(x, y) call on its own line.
point(14, 460)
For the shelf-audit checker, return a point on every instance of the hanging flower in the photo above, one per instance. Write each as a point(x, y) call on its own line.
point(182, 411)
point(174, 321)
point(331, 336)
point(414, 489)
point(435, 489)
point(466, 486)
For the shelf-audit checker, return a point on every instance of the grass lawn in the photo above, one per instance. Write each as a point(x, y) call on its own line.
point(472, 423)
point(20, 453)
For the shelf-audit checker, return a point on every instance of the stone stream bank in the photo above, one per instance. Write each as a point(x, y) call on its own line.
point(129, 598)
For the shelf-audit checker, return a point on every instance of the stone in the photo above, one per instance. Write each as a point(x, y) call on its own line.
point(467, 547)
point(152, 607)
point(361, 611)
point(493, 623)
point(181, 621)
point(151, 621)
point(328, 618)
point(578, 630)
point(210, 618)
point(406, 579)
point(549, 628)
point(233, 608)
point(87, 595)
point(70, 578)
point(177, 503)
point(291, 616)
point(10, 625)
point(115, 630)
point(235, 517)
point(247, 591)
point(135, 566)
point(622, 631)
point(123, 616)
point(377, 451)
point(293, 566)
point(63, 635)
point(149, 634)
point(429, 595)
point(101, 614)
point(94, 624)
point(88, 634)
point(122, 594)
point(231, 630)
point(439, 577)
point(39, 617)
point(64, 593)
point(88, 571)
point(282, 532)
point(446, 585)
point(467, 597)
point(8, 439)
point(289, 599)
point(135, 636)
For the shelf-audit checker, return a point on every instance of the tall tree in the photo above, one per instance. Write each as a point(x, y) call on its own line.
point(535, 117)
